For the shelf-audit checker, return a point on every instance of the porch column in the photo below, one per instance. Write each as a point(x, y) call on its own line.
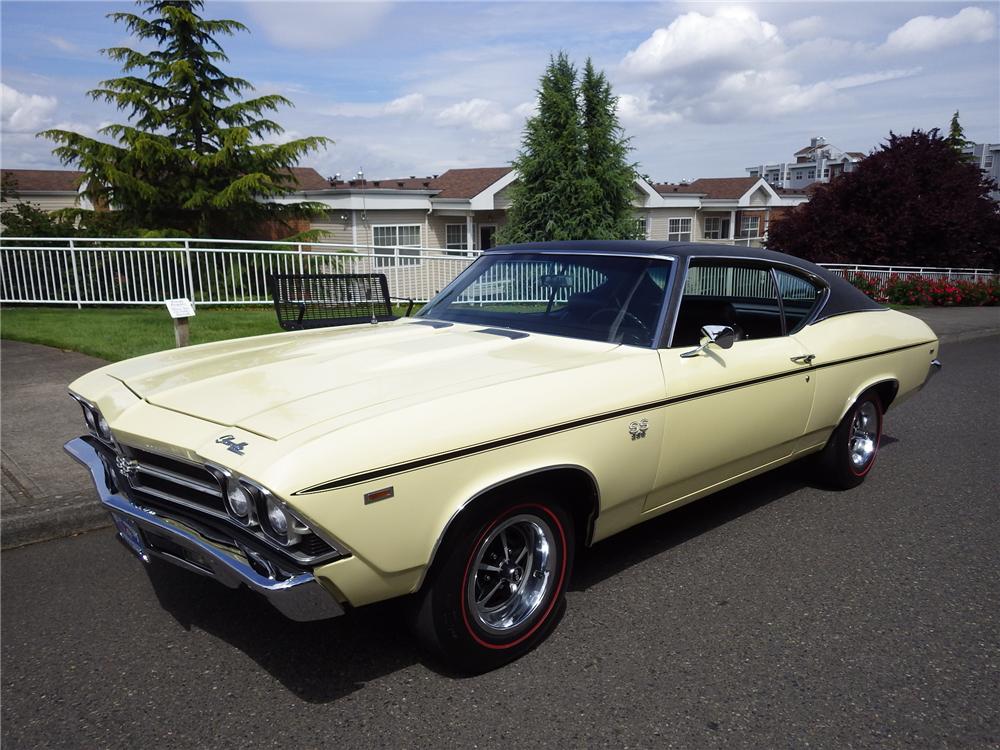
point(767, 221)
point(732, 224)
point(470, 236)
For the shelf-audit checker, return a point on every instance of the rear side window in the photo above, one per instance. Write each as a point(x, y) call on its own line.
point(798, 297)
point(740, 296)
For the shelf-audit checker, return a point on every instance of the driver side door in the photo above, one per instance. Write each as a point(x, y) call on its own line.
point(730, 412)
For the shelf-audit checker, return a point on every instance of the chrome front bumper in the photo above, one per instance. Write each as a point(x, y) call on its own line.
point(300, 597)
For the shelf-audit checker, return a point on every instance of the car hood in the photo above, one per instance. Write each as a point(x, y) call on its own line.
point(276, 385)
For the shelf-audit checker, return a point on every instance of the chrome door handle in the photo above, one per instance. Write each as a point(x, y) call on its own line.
point(804, 359)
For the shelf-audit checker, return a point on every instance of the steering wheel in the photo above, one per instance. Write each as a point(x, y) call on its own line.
point(613, 312)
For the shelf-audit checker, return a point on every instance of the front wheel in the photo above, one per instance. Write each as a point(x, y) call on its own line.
point(853, 447)
point(499, 590)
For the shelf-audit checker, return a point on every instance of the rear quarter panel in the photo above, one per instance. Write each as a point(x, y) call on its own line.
point(858, 350)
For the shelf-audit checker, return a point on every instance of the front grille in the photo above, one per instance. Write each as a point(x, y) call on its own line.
point(185, 490)
point(165, 478)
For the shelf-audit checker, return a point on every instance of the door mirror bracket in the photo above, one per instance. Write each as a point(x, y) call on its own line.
point(722, 336)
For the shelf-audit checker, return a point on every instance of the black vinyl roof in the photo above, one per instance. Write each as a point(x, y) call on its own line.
point(844, 297)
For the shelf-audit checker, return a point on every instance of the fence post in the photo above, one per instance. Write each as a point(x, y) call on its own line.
point(300, 259)
point(76, 276)
point(187, 259)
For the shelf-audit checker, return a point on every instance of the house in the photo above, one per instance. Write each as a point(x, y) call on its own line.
point(818, 162)
point(49, 189)
point(729, 209)
point(460, 210)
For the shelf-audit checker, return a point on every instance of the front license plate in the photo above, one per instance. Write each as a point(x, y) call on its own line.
point(130, 534)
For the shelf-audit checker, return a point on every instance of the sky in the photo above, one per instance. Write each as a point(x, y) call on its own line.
point(705, 89)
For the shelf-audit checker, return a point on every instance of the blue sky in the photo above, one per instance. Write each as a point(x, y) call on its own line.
point(415, 88)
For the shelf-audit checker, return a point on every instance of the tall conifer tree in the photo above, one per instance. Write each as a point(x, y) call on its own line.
point(193, 156)
point(572, 163)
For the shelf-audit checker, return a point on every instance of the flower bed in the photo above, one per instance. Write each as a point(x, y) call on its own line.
point(921, 290)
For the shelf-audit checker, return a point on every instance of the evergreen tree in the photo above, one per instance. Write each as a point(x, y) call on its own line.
point(913, 202)
point(193, 158)
point(610, 180)
point(956, 136)
point(571, 165)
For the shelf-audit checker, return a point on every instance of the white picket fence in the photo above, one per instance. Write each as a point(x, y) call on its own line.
point(209, 272)
point(130, 271)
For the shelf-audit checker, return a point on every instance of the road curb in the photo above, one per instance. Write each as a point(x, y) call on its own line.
point(18, 529)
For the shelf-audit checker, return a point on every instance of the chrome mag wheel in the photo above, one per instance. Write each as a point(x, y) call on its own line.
point(511, 574)
point(863, 439)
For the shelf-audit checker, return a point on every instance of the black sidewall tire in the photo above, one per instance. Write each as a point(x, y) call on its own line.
point(442, 622)
point(835, 461)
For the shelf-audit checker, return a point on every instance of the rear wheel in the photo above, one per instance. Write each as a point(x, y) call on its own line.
point(853, 447)
point(499, 588)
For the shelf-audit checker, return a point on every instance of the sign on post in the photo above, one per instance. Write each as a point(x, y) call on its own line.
point(180, 310)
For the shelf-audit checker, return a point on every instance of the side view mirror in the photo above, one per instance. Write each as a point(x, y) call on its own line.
point(722, 336)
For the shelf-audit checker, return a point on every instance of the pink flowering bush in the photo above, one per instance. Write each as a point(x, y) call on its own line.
point(921, 290)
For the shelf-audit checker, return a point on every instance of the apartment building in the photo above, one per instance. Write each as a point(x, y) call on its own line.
point(818, 162)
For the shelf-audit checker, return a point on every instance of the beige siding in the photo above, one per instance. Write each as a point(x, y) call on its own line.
point(659, 221)
point(759, 197)
point(51, 201)
point(337, 225)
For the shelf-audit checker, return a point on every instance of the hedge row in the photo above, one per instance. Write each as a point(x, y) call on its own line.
point(921, 290)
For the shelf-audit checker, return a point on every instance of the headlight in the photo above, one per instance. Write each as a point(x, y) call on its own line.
point(96, 423)
point(239, 500)
point(103, 428)
point(277, 518)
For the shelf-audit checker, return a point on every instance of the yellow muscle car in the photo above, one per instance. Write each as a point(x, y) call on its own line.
point(552, 395)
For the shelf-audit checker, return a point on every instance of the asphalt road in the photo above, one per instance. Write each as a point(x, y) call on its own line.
point(772, 615)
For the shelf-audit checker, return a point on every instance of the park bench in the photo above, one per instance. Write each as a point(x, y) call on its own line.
point(319, 300)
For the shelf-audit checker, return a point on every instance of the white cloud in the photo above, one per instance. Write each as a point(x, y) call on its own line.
point(316, 25)
point(479, 114)
point(405, 105)
point(61, 43)
point(527, 109)
point(637, 111)
point(408, 104)
point(24, 112)
point(803, 28)
point(866, 79)
point(762, 95)
point(932, 32)
point(731, 39)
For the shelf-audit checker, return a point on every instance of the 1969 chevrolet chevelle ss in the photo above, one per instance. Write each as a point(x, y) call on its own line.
point(552, 395)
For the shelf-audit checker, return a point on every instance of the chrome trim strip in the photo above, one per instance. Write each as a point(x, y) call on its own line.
point(176, 478)
point(300, 597)
point(419, 463)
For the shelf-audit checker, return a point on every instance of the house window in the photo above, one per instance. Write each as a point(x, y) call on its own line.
point(679, 230)
point(713, 228)
point(749, 226)
point(753, 172)
point(798, 175)
point(826, 171)
point(640, 227)
point(812, 174)
point(404, 236)
point(456, 239)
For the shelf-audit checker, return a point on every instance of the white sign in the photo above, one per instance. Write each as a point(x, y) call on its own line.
point(180, 308)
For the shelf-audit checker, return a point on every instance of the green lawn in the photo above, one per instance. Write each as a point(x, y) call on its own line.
point(115, 333)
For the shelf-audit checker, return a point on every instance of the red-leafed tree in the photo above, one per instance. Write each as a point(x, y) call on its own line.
point(913, 202)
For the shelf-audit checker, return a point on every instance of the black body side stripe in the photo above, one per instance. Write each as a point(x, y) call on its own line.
point(420, 463)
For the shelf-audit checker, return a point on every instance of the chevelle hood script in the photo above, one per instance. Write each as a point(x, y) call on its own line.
point(277, 385)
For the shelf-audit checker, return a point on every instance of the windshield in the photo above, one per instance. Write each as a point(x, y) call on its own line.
point(610, 298)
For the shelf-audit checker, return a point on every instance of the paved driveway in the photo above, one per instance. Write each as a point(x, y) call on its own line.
point(772, 615)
